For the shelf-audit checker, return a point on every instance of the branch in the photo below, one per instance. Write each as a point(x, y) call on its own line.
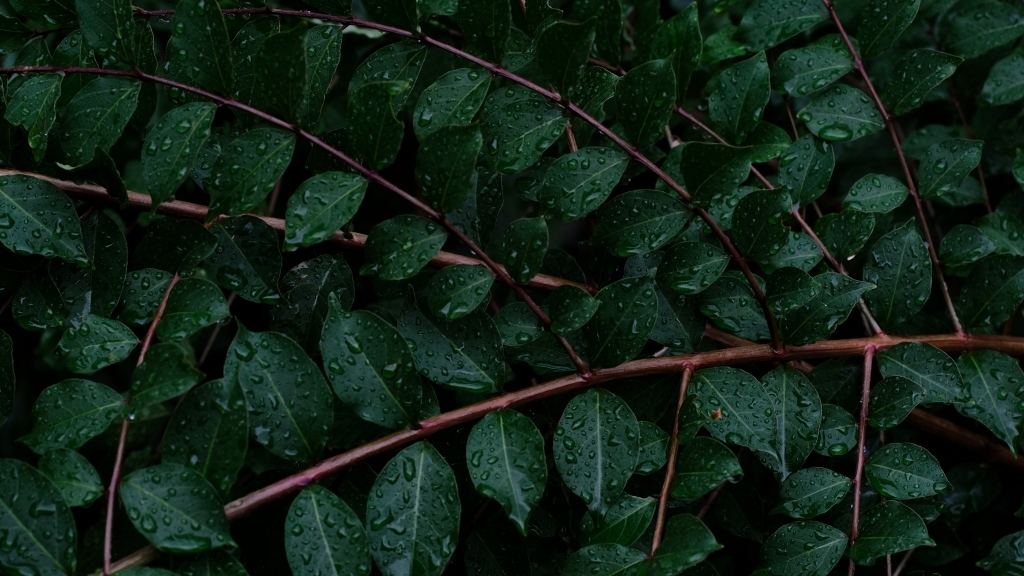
point(858, 478)
point(890, 127)
point(670, 466)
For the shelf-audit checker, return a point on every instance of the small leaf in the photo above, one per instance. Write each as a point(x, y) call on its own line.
point(806, 168)
point(888, 528)
point(687, 543)
point(819, 317)
point(414, 502)
point(194, 304)
point(562, 51)
point(652, 455)
point(245, 172)
point(881, 24)
point(790, 288)
point(623, 321)
point(570, 308)
point(446, 165)
point(945, 166)
point(458, 290)
point(766, 23)
point(623, 524)
point(33, 105)
point(173, 245)
point(638, 222)
point(108, 28)
point(280, 70)
point(452, 100)
point(322, 535)
point(901, 269)
point(603, 560)
point(168, 371)
point(307, 288)
point(876, 193)
point(394, 67)
point(516, 140)
point(841, 113)
point(609, 17)
point(518, 325)
point(797, 409)
point(917, 73)
point(95, 289)
point(838, 432)
point(904, 471)
point(690, 267)
point(802, 71)
point(398, 248)
point(180, 495)
point(595, 448)
point(679, 37)
point(993, 382)
point(892, 400)
point(522, 248)
point(811, 492)
point(964, 244)
point(320, 206)
point(73, 475)
point(1005, 230)
point(993, 290)
point(1005, 82)
point(37, 218)
point(799, 251)
point(323, 54)
point(172, 147)
point(247, 258)
point(646, 95)
point(1006, 556)
point(807, 548)
point(731, 305)
point(758, 227)
point(33, 514)
point(578, 183)
point(68, 414)
point(713, 170)
point(737, 101)
point(505, 457)
point(704, 463)
point(201, 48)
point(926, 365)
point(746, 410)
point(96, 343)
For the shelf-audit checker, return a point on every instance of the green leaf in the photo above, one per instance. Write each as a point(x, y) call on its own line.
point(200, 48)
point(971, 30)
point(623, 524)
point(247, 169)
point(522, 248)
point(790, 288)
point(758, 229)
point(653, 449)
point(562, 51)
point(452, 100)
point(917, 73)
point(841, 113)
point(838, 432)
point(577, 183)
point(767, 23)
point(486, 24)
point(645, 97)
point(687, 542)
point(797, 410)
point(704, 463)
point(395, 68)
point(458, 290)
point(518, 325)
point(800, 251)
point(926, 365)
point(570, 307)
point(609, 17)
point(172, 147)
point(623, 321)
point(638, 222)
point(322, 535)
point(96, 289)
point(320, 206)
point(376, 134)
point(505, 457)
point(993, 290)
point(603, 560)
point(892, 400)
point(876, 193)
point(244, 47)
point(713, 170)
point(993, 382)
point(323, 54)
point(748, 413)
point(1006, 556)
point(168, 371)
point(73, 475)
point(802, 71)
point(690, 267)
point(96, 117)
point(824, 313)
point(903, 471)
point(173, 245)
point(811, 492)
point(215, 563)
point(399, 13)
point(807, 548)
point(737, 101)
point(33, 515)
point(731, 305)
point(68, 414)
point(194, 304)
point(33, 105)
point(882, 22)
point(1005, 82)
point(413, 513)
point(595, 448)
point(280, 70)
point(107, 27)
point(596, 87)
point(516, 139)
point(208, 433)
point(888, 528)
point(806, 168)
point(175, 508)
point(289, 402)
point(370, 367)
point(964, 244)
point(37, 218)
point(306, 289)
point(899, 266)
point(96, 343)
point(1005, 230)
point(463, 354)
point(398, 248)
point(945, 166)
point(446, 165)
point(680, 38)
point(247, 259)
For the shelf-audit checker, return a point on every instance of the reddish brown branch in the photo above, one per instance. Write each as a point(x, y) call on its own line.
point(670, 466)
point(858, 478)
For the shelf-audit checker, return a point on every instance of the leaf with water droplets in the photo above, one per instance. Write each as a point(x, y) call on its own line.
point(916, 74)
point(803, 71)
point(595, 88)
point(458, 290)
point(194, 304)
point(143, 290)
point(799, 251)
point(932, 369)
point(413, 513)
point(577, 183)
point(96, 343)
point(645, 97)
point(609, 17)
point(522, 248)
point(280, 70)
point(322, 535)
point(797, 410)
point(881, 24)
point(570, 307)
point(376, 134)
point(40, 535)
point(904, 471)
point(595, 448)
point(95, 289)
point(713, 171)
point(679, 38)
point(892, 400)
point(838, 432)
point(604, 559)
point(208, 432)
point(731, 305)
point(687, 543)
point(247, 259)
point(37, 218)
point(899, 266)
point(704, 463)
point(1005, 82)
point(168, 371)
point(562, 51)
point(876, 193)
point(518, 126)
point(806, 168)
point(199, 51)
point(306, 289)
point(172, 245)
point(175, 508)
point(819, 317)
point(398, 248)
point(805, 548)
point(964, 244)
point(841, 113)
point(452, 100)
point(993, 290)
point(652, 455)
point(172, 147)
point(1006, 556)
point(213, 563)
point(33, 105)
point(690, 267)
point(320, 206)
point(517, 324)
point(811, 492)
point(888, 528)
point(769, 22)
point(323, 54)
point(73, 475)
point(107, 26)
point(638, 222)
point(1005, 230)
point(68, 414)
point(505, 457)
point(993, 383)
point(246, 170)
point(679, 325)
point(790, 288)
point(486, 24)
point(740, 409)
point(945, 166)
point(623, 524)
point(446, 165)
point(737, 101)
point(394, 68)
point(96, 117)
point(972, 29)
point(623, 322)
point(757, 223)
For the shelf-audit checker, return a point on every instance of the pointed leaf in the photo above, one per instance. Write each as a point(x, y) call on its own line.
point(322, 535)
point(515, 139)
point(247, 169)
point(797, 417)
point(623, 322)
point(737, 101)
point(562, 51)
point(646, 95)
point(577, 183)
point(638, 222)
point(446, 165)
point(704, 463)
point(888, 528)
point(34, 515)
point(33, 105)
point(741, 410)
point(817, 319)
point(945, 166)
point(903, 471)
point(807, 548)
point(926, 365)
point(841, 113)
point(993, 290)
point(993, 383)
point(452, 100)
point(811, 492)
point(37, 218)
point(194, 304)
point(201, 48)
point(73, 475)
point(767, 23)
point(458, 290)
point(687, 543)
point(802, 71)
point(96, 343)
point(320, 206)
point(882, 22)
point(806, 168)
point(247, 258)
point(68, 414)
point(623, 524)
point(398, 248)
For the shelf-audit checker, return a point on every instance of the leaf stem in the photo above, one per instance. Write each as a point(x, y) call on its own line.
point(858, 478)
point(670, 466)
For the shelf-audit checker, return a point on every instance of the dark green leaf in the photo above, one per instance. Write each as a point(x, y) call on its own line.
point(802, 71)
point(704, 463)
point(690, 267)
point(247, 169)
point(570, 308)
point(838, 432)
point(807, 548)
point(767, 23)
point(306, 290)
point(799, 251)
point(107, 27)
point(993, 290)
point(173, 245)
point(1005, 82)
point(194, 304)
point(790, 288)
point(458, 290)
point(623, 524)
point(96, 117)
point(609, 17)
point(522, 248)
point(605, 559)
point(168, 371)
point(623, 321)
point(247, 259)
point(806, 168)
point(398, 248)
point(945, 166)
point(596, 87)
point(452, 100)
point(96, 289)
point(320, 206)
point(322, 535)
point(900, 268)
point(1006, 557)
point(687, 543)
point(562, 51)
point(993, 383)
point(518, 325)
point(398, 13)
point(680, 38)
point(739, 96)
point(244, 47)
point(645, 97)
point(323, 54)
point(747, 411)
point(281, 74)
point(917, 73)
point(904, 471)
point(37, 218)
point(73, 475)
point(172, 147)
point(888, 528)
point(68, 414)
point(652, 455)
point(638, 222)
point(876, 193)
point(486, 24)
point(199, 50)
point(882, 22)
point(33, 105)
point(33, 516)
point(713, 171)
point(446, 165)
point(518, 125)
point(841, 113)
point(757, 223)
point(824, 313)
point(973, 29)
point(964, 244)
point(731, 305)
point(811, 492)
point(1003, 229)
point(577, 183)
point(892, 399)
point(394, 68)
point(797, 411)
point(929, 367)
point(96, 343)
point(175, 508)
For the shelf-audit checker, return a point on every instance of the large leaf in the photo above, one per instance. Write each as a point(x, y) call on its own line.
point(37, 218)
point(413, 513)
point(645, 96)
point(917, 73)
point(740, 409)
point(199, 50)
point(281, 74)
point(690, 267)
point(518, 125)
point(932, 369)
point(73, 475)
point(107, 27)
point(739, 96)
point(638, 222)
point(452, 100)
point(824, 312)
point(797, 417)
point(1005, 82)
point(899, 266)
point(36, 522)
point(623, 322)
point(973, 29)
point(324, 536)
point(841, 113)
point(993, 290)
point(993, 383)
point(194, 304)
point(172, 146)
point(320, 206)
point(245, 172)
point(398, 248)
point(903, 471)
point(579, 182)
point(888, 528)
point(807, 548)
point(96, 117)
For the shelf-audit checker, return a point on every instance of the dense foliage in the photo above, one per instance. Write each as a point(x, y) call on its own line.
point(528, 287)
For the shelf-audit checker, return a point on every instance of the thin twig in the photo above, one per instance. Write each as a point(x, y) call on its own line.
point(970, 135)
point(670, 466)
point(570, 137)
point(869, 356)
point(711, 500)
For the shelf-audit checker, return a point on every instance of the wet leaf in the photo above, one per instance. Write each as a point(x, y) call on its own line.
point(687, 543)
point(900, 268)
point(609, 17)
point(247, 259)
point(811, 492)
point(903, 471)
point(876, 193)
point(172, 147)
point(803, 71)
point(173, 245)
point(680, 38)
point(623, 524)
point(731, 305)
point(194, 304)
point(168, 371)
point(993, 290)
point(993, 383)
point(917, 73)
point(96, 343)
point(453, 100)
point(841, 113)
point(838, 432)
point(964, 244)
point(578, 183)
point(570, 309)
point(34, 106)
point(739, 96)
point(820, 316)
point(68, 414)
point(1005, 230)
point(398, 248)
point(246, 170)
point(320, 206)
point(73, 475)
point(972, 30)
point(518, 126)
point(486, 24)
point(790, 288)
point(807, 548)
point(446, 165)
point(323, 54)
point(881, 24)
point(200, 48)
point(96, 117)
point(522, 248)
point(562, 51)
point(107, 27)
point(646, 95)
point(797, 410)
point(638, 222)
point(322, 535)
point(704, 463)
point(690, 267)
point(741, 410)
point(394, 67)
point(758, 228)
point(95, 289)
point(37, 218)
point(605, 559)
point(306, 289)
point(945, 166)
point(458, 290)
point(623, 321)
point(932, 369)
point(33, 515)
point(888, 528)
point(280, 74)
point(767, 23)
